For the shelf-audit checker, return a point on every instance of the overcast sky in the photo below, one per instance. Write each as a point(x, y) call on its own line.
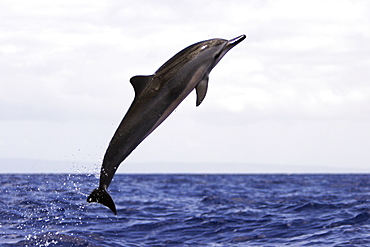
point(292, 97)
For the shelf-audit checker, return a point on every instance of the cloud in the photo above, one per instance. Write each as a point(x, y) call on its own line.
point(66, 66)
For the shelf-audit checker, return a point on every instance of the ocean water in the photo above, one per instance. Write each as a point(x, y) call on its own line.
point(187, 210)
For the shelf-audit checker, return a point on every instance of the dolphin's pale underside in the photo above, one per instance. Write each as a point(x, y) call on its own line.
point(156, 96)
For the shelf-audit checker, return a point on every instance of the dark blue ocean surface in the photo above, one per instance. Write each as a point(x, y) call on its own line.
point(187, 210)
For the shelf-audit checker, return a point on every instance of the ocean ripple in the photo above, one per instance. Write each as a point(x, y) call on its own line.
point(187, 210)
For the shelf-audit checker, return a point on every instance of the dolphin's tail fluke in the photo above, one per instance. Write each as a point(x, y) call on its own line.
point(103, 197)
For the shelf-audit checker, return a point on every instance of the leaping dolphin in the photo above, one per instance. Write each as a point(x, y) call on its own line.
point(156, 96)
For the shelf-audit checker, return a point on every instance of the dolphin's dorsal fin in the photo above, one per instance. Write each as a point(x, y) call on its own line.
point(140, 82)
point(201, 89)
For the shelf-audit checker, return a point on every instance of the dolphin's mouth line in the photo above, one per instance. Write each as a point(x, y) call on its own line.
point(237, 40)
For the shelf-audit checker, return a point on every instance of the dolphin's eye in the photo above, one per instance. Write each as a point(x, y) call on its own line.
point(217, 55)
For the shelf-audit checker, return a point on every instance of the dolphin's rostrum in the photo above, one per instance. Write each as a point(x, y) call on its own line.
point(156, 96)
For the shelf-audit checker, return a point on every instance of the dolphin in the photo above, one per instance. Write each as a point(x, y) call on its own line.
point(156, 97)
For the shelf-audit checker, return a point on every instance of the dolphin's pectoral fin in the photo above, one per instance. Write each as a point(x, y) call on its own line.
point(102, 196)
point(201, 89)
point(140, 82)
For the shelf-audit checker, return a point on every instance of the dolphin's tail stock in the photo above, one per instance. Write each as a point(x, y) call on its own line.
point(103, 197)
